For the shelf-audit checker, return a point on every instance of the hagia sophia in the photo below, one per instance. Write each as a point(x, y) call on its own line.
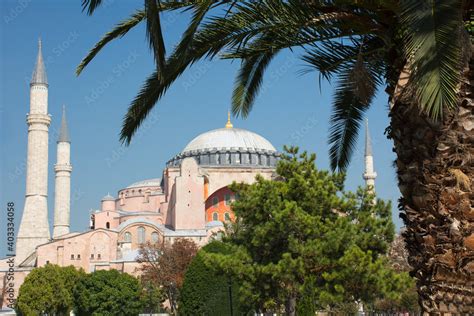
point(190, 200)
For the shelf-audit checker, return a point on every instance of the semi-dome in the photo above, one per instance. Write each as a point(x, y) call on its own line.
point(229, 138)
point(229, 146)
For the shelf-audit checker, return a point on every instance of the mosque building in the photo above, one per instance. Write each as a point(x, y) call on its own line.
point(190, 200)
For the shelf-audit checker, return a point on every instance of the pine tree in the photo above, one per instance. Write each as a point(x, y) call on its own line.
point(302, 234)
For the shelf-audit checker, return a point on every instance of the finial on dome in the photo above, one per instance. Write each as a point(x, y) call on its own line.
point(228, 124)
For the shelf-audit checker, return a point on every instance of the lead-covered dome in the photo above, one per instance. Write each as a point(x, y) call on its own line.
point(229, 146)
point(229, 138)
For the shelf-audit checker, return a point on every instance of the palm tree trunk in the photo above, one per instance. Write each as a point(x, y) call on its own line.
point(435, 162)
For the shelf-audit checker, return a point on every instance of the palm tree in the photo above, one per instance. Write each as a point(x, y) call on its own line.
point(420, 50)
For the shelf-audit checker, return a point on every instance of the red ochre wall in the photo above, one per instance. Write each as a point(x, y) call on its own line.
point(220, 208)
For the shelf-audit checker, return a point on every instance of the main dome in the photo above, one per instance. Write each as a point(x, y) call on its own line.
point(229, 147)
point(229, 138)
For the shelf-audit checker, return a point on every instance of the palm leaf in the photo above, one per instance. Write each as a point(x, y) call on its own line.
point(433, 52)
point(90, 5)
point(119, 30)
point(154, 33)
point(141, 106)
point(200, 9)
point(353, 96)
point(248, 83)
point(123, 27)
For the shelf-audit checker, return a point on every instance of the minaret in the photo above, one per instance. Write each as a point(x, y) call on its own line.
point(369, 174)
point(34, 227)
point(62, 189)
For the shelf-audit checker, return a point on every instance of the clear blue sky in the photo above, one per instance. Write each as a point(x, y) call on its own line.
point(291, 110)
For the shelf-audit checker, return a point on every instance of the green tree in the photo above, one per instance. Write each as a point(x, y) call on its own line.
point(107, 293)
point(304, 234)
point(152, 297)
point(207, 290)
point(48, 290)
point(419, 50)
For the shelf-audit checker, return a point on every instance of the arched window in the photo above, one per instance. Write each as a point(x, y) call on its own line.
point(141, 234)
point(127, 237)
point(227, 199)
point(154, 237)
point(227, 217)
point(215, 201)
point(215, 216)
point(218, 158)
point(107, 225)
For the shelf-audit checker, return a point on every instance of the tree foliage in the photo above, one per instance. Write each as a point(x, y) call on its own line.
point(303, 234)
point(107, 293)
point(48, 290)
point(164, 266)
point(206, 289)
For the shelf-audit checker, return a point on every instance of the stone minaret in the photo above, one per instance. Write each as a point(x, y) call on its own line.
point(34, 228)
point(62, 190)
point(369, 174)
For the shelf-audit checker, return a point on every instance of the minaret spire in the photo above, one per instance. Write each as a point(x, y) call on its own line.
point(229, 123)
point(62, 188)
point(369, 174)
point(64, 131)
point(39, 72)
point(34, 226)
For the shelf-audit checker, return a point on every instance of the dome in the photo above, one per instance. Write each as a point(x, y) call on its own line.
point(227, 138)
point(156, 182)
point(108, 197)
point(229, 147)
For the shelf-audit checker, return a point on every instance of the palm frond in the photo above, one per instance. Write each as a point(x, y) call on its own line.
point(90, 5)
point(199, 11)
point(119, 30)
point(353, 96)
point(141, 106)
point(154, 33)
point(248, 83)
point(330, 57)
point(433, 52)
